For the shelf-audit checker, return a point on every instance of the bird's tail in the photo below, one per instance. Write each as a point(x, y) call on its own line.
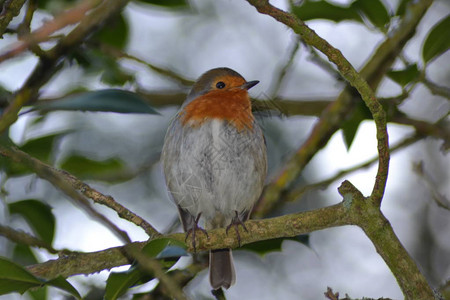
point(221, 268)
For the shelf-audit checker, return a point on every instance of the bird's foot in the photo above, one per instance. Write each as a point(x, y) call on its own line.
point(235, 222)
point(192, 231)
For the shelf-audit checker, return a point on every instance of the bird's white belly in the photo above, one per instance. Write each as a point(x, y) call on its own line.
point(216, 169)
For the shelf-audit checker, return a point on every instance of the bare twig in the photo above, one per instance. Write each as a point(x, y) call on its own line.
point(50, 63)
point(21, 237)
point(75, 184)
point(296, 192)
point(64, 19)
point(48, 173)
point(440, 199)
point(283, 71)
point(436, 89)
point(117, 53)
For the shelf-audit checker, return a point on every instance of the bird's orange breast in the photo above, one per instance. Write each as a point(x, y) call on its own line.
point(231, 105)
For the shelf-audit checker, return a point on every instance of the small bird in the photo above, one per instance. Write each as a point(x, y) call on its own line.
point(214, 161)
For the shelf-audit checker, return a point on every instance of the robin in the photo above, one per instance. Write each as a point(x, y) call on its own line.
point(214, 161)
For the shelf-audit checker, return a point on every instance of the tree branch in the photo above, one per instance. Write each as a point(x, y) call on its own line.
point(295, 192)
point(21, 237)
point(52, 61)
point(258, 230)
point(368, 216)
point(336, 112)
point(50, 173)
point(8, 10)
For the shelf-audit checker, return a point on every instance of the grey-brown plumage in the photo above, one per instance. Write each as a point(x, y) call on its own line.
point(214, 160)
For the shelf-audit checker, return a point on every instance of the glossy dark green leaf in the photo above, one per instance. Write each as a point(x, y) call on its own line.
point(167, 3)
point(350, 126)
point(309, 10)
point(172, 252)
point(109, 100)
point(273, 245)
point(86, 168)
point(23, 255)
point(49, 4)
point(168, 251)
point(38, 294)
point(12, 168)
point(156, 246)
point(118, 283)
point(402, 6)
point(405, 76)
point(374, 11)
point(115, 33)
point(41, 147)
point(437, 41)
point(62, 284)
point(14, 278)
point(38, 215)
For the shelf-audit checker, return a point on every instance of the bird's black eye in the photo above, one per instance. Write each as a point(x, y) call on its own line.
point(220, 85)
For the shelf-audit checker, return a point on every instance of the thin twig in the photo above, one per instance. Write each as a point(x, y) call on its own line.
point(296, 192)
point(117, 53)
point(24, 238)
point(283, 71)
point(75, 184)
point(64, 19)
point(439, 198)
point(436, 89)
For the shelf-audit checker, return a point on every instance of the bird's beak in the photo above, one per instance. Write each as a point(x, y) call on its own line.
point(248, 85)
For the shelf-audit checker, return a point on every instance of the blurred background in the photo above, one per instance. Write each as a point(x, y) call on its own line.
point(118, 154)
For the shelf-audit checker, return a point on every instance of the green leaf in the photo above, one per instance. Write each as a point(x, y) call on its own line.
point(108, 100)
point(118, 283)
point(14, 278)
point(405, 76)
point(172, 252)
point(38, 215)
point(41, 147)
point(322, 9)
point(350, 126)
point(156, 246)
point(437, 41)
point(401, 8)
point(86, 168)
point(374, 10)
point(167, 3)
point(63, 284)
point(23, 255)
point(38, 294)
point(273, 245)
point(115, 33)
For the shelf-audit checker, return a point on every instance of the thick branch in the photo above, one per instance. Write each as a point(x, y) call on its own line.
point(259, 230)
point(368, 216)
point(8, 10)
point(336, 112)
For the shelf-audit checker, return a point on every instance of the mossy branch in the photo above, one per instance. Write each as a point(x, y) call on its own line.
point(337, 111)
